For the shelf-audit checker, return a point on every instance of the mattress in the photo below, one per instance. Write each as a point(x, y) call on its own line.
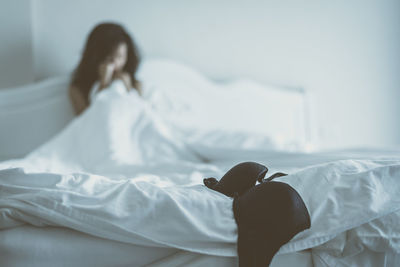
point(56, 246)
point(127, 176)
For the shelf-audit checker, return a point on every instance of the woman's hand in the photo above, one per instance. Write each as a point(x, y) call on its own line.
point(126, 79)
point(106, 72)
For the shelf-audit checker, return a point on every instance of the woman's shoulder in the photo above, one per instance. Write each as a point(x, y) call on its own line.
point(77, 98)
point(74, 90)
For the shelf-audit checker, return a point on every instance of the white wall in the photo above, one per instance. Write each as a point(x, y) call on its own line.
point(16, 63)
point(344, 52)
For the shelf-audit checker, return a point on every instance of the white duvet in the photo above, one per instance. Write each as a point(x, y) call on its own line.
point(119, 171)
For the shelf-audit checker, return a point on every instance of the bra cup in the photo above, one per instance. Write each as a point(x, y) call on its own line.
point(268, 216)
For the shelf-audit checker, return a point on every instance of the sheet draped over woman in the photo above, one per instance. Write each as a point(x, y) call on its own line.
point(119, 128)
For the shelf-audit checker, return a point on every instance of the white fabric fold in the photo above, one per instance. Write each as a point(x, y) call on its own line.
point(120, 172)
point(359, 198)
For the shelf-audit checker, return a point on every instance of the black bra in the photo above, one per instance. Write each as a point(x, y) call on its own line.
point(268, 215)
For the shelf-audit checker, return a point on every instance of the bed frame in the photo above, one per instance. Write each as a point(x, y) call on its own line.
point(31, 114)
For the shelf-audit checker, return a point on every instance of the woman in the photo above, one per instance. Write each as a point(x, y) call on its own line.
point(109, 55)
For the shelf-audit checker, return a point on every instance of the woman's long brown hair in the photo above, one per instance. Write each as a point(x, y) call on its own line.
point(102, 41)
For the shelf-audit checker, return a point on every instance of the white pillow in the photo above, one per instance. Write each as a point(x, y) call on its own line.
point(237, 114)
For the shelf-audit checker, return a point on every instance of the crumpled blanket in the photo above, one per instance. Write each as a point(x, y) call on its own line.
point(120, 172)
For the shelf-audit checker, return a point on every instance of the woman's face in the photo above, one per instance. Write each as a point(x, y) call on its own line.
point(119, 56)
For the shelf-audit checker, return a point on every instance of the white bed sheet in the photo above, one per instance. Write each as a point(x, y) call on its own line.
point(120, 172)
point(53, 246)
point(29, 246)
point(372, 228)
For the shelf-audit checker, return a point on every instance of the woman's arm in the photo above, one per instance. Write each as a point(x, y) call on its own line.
point(127, 80)
point(78, 100)
point(106, 73)
point(124, 77)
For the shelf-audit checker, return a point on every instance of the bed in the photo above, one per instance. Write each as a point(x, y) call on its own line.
point(121, 185)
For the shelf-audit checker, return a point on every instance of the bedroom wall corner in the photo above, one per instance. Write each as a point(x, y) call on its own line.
point(16, 53)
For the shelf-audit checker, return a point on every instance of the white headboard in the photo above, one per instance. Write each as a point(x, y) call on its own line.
point(31, 114)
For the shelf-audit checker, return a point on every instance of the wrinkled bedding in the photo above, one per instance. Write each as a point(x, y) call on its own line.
point(121, 171)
